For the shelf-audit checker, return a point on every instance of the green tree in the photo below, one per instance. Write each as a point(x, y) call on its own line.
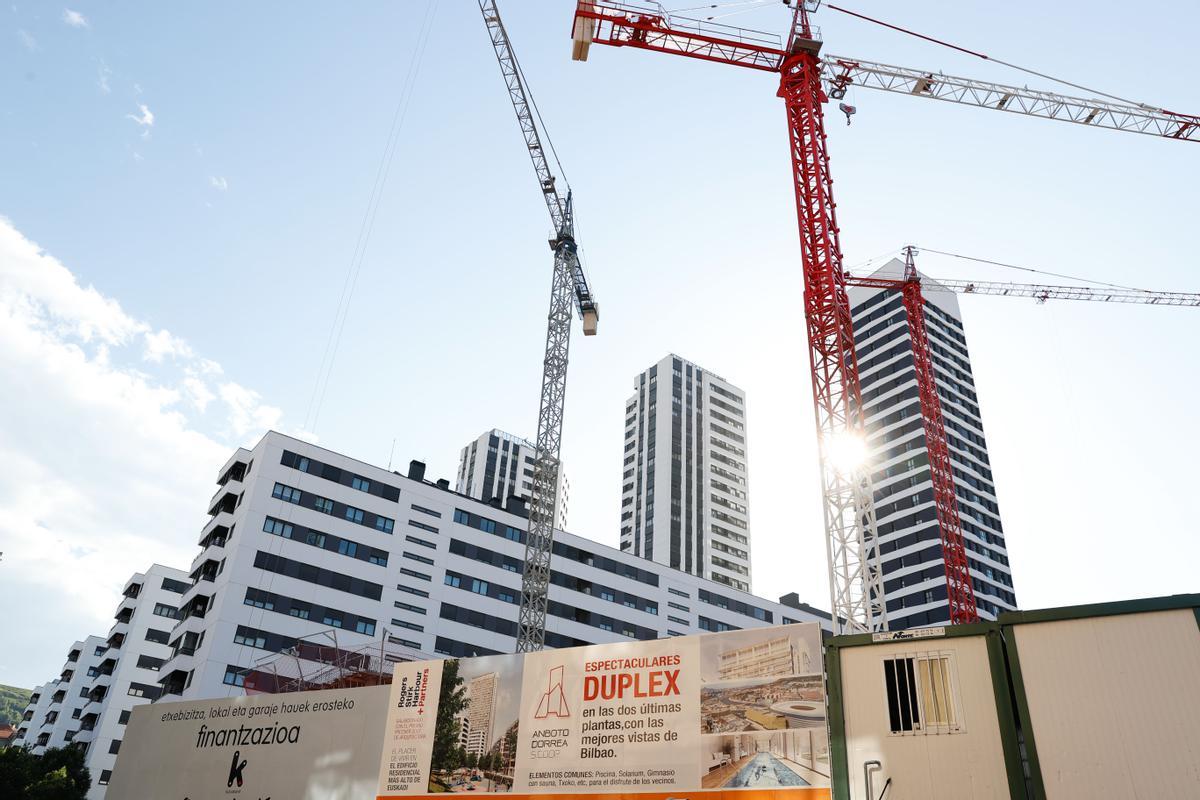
point(59, 774)
point(472, 760)
point(452, 701)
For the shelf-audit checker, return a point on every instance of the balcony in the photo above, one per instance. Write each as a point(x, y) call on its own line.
point(66, 676)
point(173, 683)
point(83, 736)
point(132, 590)
point(235, 472)
point(73, 655)
point(207, 571)
point(225, 502)
point(97, 694)
point(58, 696)
point(116, 637)
point(216, 531)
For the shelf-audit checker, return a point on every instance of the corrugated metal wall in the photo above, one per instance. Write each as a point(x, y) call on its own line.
point(1114, 704)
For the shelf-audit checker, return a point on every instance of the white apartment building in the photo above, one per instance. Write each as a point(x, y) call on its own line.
point(137, 648)
point(302, 540)
point(497, 465)
point(480, 714)
point(684, 485)
point(104, 678)
point(909, 541)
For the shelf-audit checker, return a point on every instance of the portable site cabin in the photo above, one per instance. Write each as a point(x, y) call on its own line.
point(1097, 701)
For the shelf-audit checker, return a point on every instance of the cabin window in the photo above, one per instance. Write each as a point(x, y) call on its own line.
point(922, 694)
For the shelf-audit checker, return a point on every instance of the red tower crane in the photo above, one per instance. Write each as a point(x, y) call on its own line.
point(806, 82)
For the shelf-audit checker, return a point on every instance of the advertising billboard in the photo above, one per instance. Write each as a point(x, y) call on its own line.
point(732, 711)
point(323, 745)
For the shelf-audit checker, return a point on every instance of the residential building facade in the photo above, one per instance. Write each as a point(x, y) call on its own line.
point(909, 540)
point(89, 704)
point(302, 539)
point(684, 482)
point(480, 713)
point(500, 465)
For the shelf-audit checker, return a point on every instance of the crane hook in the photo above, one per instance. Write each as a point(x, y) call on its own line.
point(848, 110)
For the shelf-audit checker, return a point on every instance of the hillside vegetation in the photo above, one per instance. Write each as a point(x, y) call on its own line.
point(12, 703)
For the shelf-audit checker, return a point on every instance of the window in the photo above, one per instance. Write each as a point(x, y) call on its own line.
point(921, 694)
point(92, 672)
point(354, 514)
point(362, 484)
point(487, 525)
point(412, 626)
point(233, 675)
point(453, 580)
point(301, 465)
point(428, 511)
point(287, 494)
point(512, 533)
point(418, 557)
point(169, 612)
point(332, 618)
point(277, 527)
point(249, 637)
point(421, 542)
point(159, 609)
point(149, 662)
point(462, 517)
point(384, 524)
point(114, 746)
point(365, 626)
point(678, 606)
point(422, 526)
point(136, 690)
point(323, 504)
point(677, 620)
point(105, 775)
point(378, 557)
point(411, 590)
point(254, 598)
point(414, 574)
point(158, 637)
point(298, 611)
point(677, 593)
point(347, 548)
point(407, 607)
point(478, 586)
point(124, 718)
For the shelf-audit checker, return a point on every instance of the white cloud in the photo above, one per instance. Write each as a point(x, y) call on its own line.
point(105, 459)
point(198, 393)
point(218, 183)
point(27, 40)
point(145, 118)
point(162, 344)
point(74, 18)
point(102, 80)
point(246, 410)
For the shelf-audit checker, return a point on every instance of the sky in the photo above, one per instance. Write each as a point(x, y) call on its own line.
point(191, 197)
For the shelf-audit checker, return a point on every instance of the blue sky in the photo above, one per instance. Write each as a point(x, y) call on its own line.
point(196, 178)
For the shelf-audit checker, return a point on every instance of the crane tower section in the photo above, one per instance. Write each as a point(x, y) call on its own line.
point(569, 286)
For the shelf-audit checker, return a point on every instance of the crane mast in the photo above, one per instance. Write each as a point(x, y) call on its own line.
point(569, 286)
point(806, 83)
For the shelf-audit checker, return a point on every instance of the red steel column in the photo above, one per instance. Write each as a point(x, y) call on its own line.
point(959, 592)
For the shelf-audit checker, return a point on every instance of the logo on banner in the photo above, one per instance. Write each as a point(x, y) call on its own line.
point(553, 702)
point(235, 769)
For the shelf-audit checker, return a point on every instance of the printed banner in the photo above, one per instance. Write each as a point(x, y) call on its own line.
point(740, 710)
point(321, 745)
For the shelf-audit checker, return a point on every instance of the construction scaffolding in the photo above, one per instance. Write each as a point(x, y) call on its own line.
point(318, 661)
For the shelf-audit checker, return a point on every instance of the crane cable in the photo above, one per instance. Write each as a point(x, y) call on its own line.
point(1036, 271)
point(986, 57)
point(366, 227)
